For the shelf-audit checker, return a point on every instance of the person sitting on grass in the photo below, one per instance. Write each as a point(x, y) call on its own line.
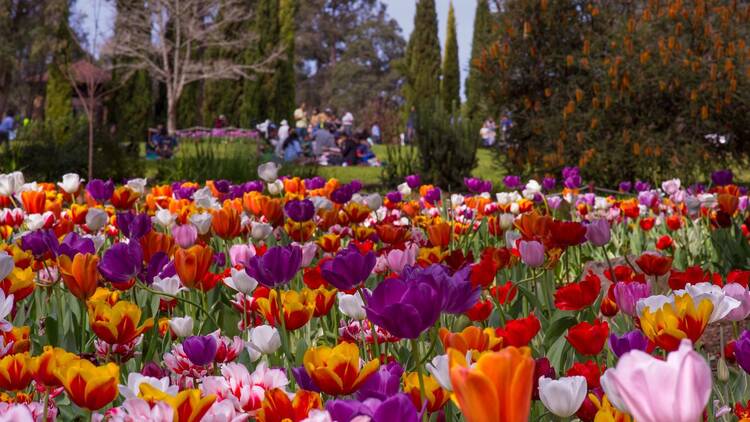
point(348, 147)
point(161, 144)
point(291, 147)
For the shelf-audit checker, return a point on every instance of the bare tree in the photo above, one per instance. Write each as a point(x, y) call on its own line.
point(166, 38)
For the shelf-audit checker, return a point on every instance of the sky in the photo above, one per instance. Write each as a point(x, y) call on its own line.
point(402, 10)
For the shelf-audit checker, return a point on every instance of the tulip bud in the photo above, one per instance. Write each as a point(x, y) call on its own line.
point(276, 187)
point(264, 339)
point(181, 326)
point(185, 235)
point(722, 370)
point(241, 281)
point(352, 306)
point(96, 218)
point(532, 253)
point(71, 182)
point(562, 397)
point(598, 232)
point(269, 171)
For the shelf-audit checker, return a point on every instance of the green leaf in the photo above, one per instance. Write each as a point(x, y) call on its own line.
point(557, 326)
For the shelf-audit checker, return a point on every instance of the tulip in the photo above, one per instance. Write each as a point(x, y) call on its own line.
point(299, 210)
point(276, 187)
point(201, 350)
point(181, 326)
point(723, 303)
point(277, 266)
point(588, 338)
point(10, 183)
point(138, 185)
point(654, 390)
point(201, 221)
point(241, 282)
point(497, 388)
point(337, 370)
point(348, 269)
point(279, 406)
point(435, 394)
point(634, 340)
point(264, 339)
point(226, 222)
point(71, 182)
point(88, 386)
point(185, 235)
point(439, 368)
point(260, 231)
point(742, 350)
point(405, 309)
point(610, 390)
point(383, 383)
point(188, 405)
point(80, 274)
point(100, 190)
point(117, 324)
point(598, 232)
point(532, 253)
point(45, 366)
point(164, 218)
point(352, 306)
point(74, 244)
point(269, 171)
point(192, 264)
point(15, 372)
point(96, 219)
point(562, 397)
point(471, 339)
point(398, 259)
point(6, 264)
point(121, 263)
point(628, 294)
point(413, 181)
point(672, 319)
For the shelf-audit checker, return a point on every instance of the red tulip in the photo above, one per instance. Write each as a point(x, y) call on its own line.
point(504, 293)
point(519, 332)
point(647, 223)
point(664, 242)
point(567, 233)
point(653, 264)
point(588, 370)
point(576, 296)
point(678, 279)
point(588, 339)
point(480, 311)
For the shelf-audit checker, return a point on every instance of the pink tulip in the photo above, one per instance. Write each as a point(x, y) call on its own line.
point(309, 250)
point(532, 253)
point(185, 235)
point(653, 390)
point(240, 254)
point(398, 259)
point(739, 292)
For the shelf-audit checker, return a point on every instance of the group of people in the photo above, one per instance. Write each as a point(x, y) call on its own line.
point(160, 144)
point(322, 138)
point(490, 129)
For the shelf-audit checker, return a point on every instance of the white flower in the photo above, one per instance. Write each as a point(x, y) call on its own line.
point(318, 415)
point(671, 186)
point(201, 221)
point(321, 203)
point(723, 304)
point(138, 185)
point(457, 199)
point(98, 240)
point(96, 219)
point(532, 188)
point(203, 198)
point(135, 379)
point(352, 306)
point(269, 171)
point(6, 306)
point(611, 391)
point(404, 189)
point(6, 264)
point(181, 326)
point(373, 201)
point(264, 339)
point(71, 182)
point(241, 281)
point(169, 285)
point(439, 369)
point(276, 187)
point(10, 183)
point(562, 397)
point(654, 303)
point(507, 220)
point(164, 218)
point(38, 221)
point(260, 231)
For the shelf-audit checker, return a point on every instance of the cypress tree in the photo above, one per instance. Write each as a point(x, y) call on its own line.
point(58, 106)
point(476, 82)
point(189, 106)
point(286, 91)
point(451, 83)
point(260, 94)
point(423, 56)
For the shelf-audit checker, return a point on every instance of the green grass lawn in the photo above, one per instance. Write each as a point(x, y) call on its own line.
point(486, 167)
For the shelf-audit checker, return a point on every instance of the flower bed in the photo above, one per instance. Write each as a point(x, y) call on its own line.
point(289, 299)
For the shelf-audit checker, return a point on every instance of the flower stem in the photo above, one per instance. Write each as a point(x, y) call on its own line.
point(417, 360)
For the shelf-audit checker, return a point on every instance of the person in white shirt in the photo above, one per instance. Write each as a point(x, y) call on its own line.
point(348, 123)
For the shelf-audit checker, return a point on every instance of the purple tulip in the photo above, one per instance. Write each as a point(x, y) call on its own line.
point(342, 195)
point(532, 253)
point(122, 262)
point(405, 308)
point(40, 242)
point(549, 184)
point(185, 235)
point(159, 265)
point(641, 186)
point(634, 340)
point(413, 181)
point(568, 172)
point(152, 369)
point(625, 186)
point(100, 190)
point(276, 267)
point(299, 210)
point(73, 244)
point(316, 182)
point(394, 196)
point(303, 379)
point(554, 202)
point(222, 186)
point(133, 226)
point(349, 268)
point(201, 350)
point(456, 291)
point(542, 368)
point(696, 189)
point(628, 294)
point(356, 185)
point(573, 182)
point(477, 185)
point(722, 177)
point(648, 198)
point(253, 186)
point(398, 407)
point(433, 196)
point(598, 232)
point(382, 384)
point(512, 182)
point(184, 192)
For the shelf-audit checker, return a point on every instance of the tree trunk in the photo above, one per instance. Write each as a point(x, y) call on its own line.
point(91, 146)
point(171, 114)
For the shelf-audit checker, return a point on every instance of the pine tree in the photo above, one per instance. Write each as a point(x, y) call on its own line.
point(423, 56)
point(285, 102)
point(260, 93)
point(451, 83)
point(58, 107)
point(476, 83)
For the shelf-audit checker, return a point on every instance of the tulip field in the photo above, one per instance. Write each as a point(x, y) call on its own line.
point(288, 299)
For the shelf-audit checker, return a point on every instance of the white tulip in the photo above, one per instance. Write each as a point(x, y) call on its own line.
point(260, 231)
point(169, 285)
point(532, 188)
point(507, 220)
point(265, 339)
point(276, 187)
point(318, 415)
point(269, 171)
point(404, 189)
point(201, 221)
point(6, 264)
point(562, 397)
point(613, 395)
point(181, 326)
point(457, 199)
point(71, 182)
point(35, 221)
point(321, 203)
point(96, 219)
point(204, 198)
point(373, 201)
point(135, 379)
point(241, 281)
point(164, 218)
point(352, 306)
point(6, 306)
point(723, 304)
point(10, 183)
point(439, 369)
point(138, 185)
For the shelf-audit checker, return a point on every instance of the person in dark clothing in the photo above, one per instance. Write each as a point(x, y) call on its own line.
point(348, 147)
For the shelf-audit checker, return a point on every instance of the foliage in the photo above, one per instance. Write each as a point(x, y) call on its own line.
point(447, 145)
point(285, 103)
point(423, 56)
point(188, 110)
point(58, 109)
point(450, 85)
point(261, 95)
point(346, 54)
point(130, 107)
point(622, 90)
point(398, 163)
point(477, 84)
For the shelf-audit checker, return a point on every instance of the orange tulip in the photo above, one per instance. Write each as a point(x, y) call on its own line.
point(19, 336)
point(124, 197)
point(192, 264)
point(78, 213)
point(189, 406)
point(329, 242)
point(497, 388)
point(324, 300)
point(298, 306)
point(19, 283)
point(89, 386)
point(471, 338)
point(154, 242)
point(15, 372)
point(356, 212)
point(299, 232)
point(226, 222)
point(117, 324)
point(439, 234)
point(272, 209)
point(80, 275)
point(45, 367)
point(33, 202)
point(295, 185)
point(337, 370)
point(277, 407)
point(436, 395)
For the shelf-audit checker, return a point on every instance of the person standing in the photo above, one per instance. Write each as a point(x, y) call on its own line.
point(347, 123)
point(300, 121)
point(411, 125)
point(375, 133)
point(8, 128)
